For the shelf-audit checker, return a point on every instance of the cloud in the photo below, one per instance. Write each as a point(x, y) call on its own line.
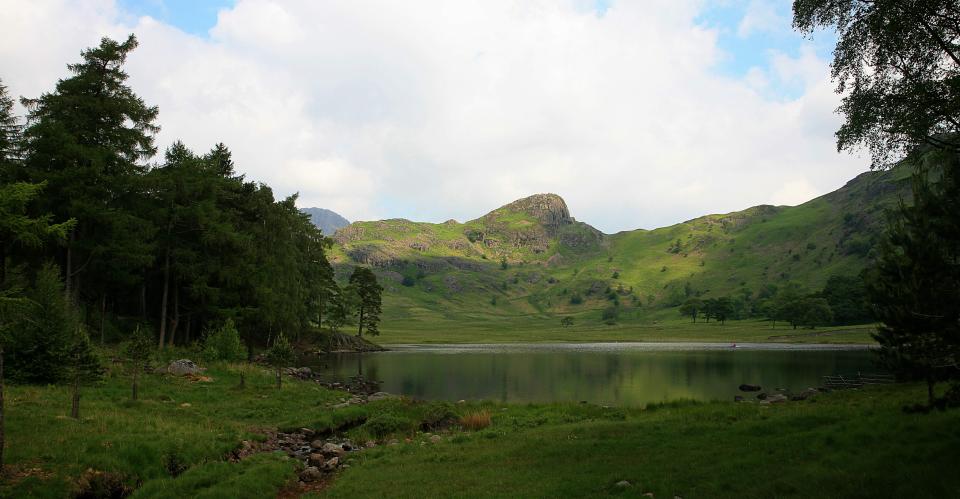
point(433, 110)
point(761, 16)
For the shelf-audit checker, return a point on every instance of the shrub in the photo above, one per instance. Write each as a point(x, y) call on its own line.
point(566, 321)
point(576, 299)
point(408, 281)
point(610, 315)
point(224, 344)
point(475, 420)
point(382, 425)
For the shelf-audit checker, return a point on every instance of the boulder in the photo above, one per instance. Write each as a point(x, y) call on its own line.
point(331, 464)
point(738, 398)
point(749, 388)
point(183, 367)
point(317, 444)
point(331, 449)
point(436, 439)
point(777, 398)
point(624, 484)
point(316, 460)
point(805, 394)
point(311, 474)
point(380, 396)
point(762, 396)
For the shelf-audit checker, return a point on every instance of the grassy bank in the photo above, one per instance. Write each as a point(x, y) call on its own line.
point(850, 444)
point(662, 327)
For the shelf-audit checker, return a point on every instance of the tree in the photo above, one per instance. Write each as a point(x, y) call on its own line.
point(692, 308)
point(10, 137)
point(17, 227)
point(86, 140)
point(722, 308)
point(138, 352)
point(897, 62)
point(280, 355)
point(915, 284)
point(847, 298)
point(816, 312)
point(12, 304)
point(566, 321)
point(363, 285)
point(84, 368)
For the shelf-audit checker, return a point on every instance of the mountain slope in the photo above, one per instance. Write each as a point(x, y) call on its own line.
point(530, 261)
point(328, 221)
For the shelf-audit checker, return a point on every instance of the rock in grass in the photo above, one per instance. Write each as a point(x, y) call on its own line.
point(183, 367)
point(749, 388)
point(624, 484)
point(331, 449)
point(777, 398)
point(436, 439)
point(311, 474)
point(331, 464)
point(316, 460)
point(317, 444)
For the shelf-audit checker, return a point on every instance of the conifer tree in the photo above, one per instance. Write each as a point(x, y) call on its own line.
point(363, 284)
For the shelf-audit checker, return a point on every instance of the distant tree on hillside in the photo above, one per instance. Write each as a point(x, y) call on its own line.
point(722, 309)
point(363, 285)
point(847, 297)
point(815, 312)
point(566, 321)
point(691, 308)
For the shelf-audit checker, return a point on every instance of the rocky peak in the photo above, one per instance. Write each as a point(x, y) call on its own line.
point(549, 209)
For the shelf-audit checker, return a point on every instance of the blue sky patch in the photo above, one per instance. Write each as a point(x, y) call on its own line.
point(191, 16)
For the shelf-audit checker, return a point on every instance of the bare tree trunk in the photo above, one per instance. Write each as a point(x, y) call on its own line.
point(68, 277)
point(75, 405)
point(143, 300)
point(136, 373)
point(163, 301)
point(3, 434)
point(103, 313)
point(279, 378)
point(360, 324)
point(176, 313)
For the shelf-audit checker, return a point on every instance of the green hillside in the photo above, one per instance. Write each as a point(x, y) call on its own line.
point(523, 266)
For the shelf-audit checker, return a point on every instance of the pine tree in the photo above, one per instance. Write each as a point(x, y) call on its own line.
point(363, 284)
point(138, 352)
point(86, 140)
point(915, 285)
point(280, 355)
point(84, 368)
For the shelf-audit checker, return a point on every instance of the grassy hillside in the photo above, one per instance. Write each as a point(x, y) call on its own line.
point(526, 264)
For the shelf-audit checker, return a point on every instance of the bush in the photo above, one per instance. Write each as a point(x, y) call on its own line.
point(224, 344)
point(408, 281)
point(610, 315)
point(382, 425)
point(576, 299)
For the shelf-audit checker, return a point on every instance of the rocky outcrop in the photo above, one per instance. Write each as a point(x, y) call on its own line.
point(549, 209)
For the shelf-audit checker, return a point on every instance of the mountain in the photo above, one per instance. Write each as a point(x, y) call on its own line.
point(328, 221)
point(531, 260)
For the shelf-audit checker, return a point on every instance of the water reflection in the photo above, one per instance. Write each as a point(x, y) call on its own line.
point(603, 374)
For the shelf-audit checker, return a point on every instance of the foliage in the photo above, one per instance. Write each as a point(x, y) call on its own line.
point(40, 343)
point(847, 298)
point(474, 421)
point(691, 308)
point(364, 286)
point(386, 424)
point(566, 321)
point(915, 285)
point(610, 315)
point(279, 355)
point(897, 64)
point(138, 351)
point(224, 344)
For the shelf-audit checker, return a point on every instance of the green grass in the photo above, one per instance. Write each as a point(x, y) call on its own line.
point(461, 294)
point(841, 444)
point(853, 444)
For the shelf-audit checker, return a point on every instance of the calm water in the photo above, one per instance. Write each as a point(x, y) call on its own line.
point(605, 373)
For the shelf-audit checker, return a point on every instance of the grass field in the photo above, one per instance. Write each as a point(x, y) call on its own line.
point(521, 329)
point(840, 444)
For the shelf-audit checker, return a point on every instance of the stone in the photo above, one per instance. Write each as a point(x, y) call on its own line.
point(777, 398)
point(317, 444)
point(331, 449)
point(762, 396)
point(183, 367)
point(749, 388)
point(370, 444)
point(316, 460)
point(436, 439)
point(331, 464)
point(310, 474)
point(805, 394)
point(380, 396)
point(185, 405)
point(624, 484)
point(648, 494)
point(307, 432)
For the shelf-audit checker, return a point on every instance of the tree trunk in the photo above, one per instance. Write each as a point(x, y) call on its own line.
point(163, 301)
point(3, 266)
point(2, 427)
point(103, 313)
point(279, 378)
point(143, 300)
point(68, 277)
point(75, 405)
point(360, 324)
point(133, 393)
point(930, 395)
point(243, 379)
point(187, 332)
point(176, 314)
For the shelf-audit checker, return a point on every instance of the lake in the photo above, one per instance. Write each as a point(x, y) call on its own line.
point(601, 373)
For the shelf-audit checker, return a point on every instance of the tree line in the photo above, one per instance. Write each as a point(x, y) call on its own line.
point(175, 247)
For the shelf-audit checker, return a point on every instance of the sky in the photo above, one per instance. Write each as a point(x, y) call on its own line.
point(640, 114)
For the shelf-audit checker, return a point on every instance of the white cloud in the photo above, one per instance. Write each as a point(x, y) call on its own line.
point(794, 192)
point(433, 110)
point(760, 16)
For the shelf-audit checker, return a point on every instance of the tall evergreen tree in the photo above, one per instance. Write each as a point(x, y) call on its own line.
point(363, 284)
point(86, 140)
